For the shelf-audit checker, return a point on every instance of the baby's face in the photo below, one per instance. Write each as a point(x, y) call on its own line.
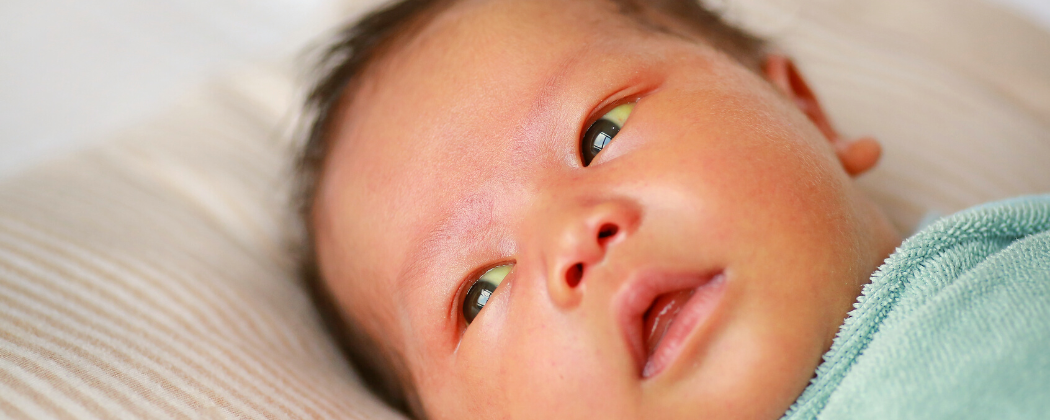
point(697, 267)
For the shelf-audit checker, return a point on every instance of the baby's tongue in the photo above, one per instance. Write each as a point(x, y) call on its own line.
point(660, 316)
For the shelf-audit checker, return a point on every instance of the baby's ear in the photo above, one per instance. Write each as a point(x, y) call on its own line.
point(857, 156)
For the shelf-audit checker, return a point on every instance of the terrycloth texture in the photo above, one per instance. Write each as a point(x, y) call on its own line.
point(955, 325)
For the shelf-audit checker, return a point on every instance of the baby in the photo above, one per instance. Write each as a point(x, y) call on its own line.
point(581, 209)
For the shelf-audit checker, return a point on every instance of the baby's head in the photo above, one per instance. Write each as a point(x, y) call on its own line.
point(667, 213)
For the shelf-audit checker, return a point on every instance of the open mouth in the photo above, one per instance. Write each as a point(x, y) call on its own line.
point(660, 316)
point(660, 312)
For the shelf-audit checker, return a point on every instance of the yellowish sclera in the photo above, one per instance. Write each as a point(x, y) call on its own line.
point(619, 114)
point(496, 275)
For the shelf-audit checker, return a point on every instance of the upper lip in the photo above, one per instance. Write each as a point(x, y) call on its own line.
point(637, 296)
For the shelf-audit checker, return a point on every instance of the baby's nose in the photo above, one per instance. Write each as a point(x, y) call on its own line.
point(582, 241)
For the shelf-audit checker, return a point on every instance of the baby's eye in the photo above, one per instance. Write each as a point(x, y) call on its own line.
point(600, 133)
point(479, 292)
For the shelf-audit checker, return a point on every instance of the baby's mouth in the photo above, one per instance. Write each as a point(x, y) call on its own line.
point(659, 317)
point(670, 319)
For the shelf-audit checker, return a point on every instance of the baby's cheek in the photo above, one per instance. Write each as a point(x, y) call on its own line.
point(479, 367)
point(551, 361)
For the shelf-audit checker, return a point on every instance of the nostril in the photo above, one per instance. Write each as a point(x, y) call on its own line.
point(607, 230)
point(574, 275)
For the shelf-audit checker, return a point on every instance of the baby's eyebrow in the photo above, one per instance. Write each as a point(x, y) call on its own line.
point(466, 218)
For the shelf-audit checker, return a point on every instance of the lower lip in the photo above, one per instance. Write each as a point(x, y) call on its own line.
point(698, 308)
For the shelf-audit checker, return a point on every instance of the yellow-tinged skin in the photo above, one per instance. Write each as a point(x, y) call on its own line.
point(460, 151)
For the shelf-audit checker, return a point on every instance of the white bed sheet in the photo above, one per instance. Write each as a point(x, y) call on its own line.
point(73, 71)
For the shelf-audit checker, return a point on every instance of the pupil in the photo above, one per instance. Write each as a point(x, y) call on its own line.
point(476, 298)
point(597, 137)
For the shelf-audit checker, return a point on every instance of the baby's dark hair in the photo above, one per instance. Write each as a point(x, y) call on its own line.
point(339, 70)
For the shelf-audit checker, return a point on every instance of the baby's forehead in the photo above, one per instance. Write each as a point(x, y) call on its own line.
point(475, 51)
point(471, 25)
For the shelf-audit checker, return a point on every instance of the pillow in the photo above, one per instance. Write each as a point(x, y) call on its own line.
point(151, 277)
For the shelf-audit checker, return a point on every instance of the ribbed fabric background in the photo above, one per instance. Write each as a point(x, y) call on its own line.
point(150, 278)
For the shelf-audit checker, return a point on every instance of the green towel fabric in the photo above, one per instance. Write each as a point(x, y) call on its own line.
point(954, 325)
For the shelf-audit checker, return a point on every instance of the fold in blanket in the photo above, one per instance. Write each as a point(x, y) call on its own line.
point(954, 325)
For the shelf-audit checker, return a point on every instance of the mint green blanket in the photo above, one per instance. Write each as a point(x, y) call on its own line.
point(955, 325)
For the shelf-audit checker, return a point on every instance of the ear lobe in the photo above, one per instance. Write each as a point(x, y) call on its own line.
point(857, 156)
